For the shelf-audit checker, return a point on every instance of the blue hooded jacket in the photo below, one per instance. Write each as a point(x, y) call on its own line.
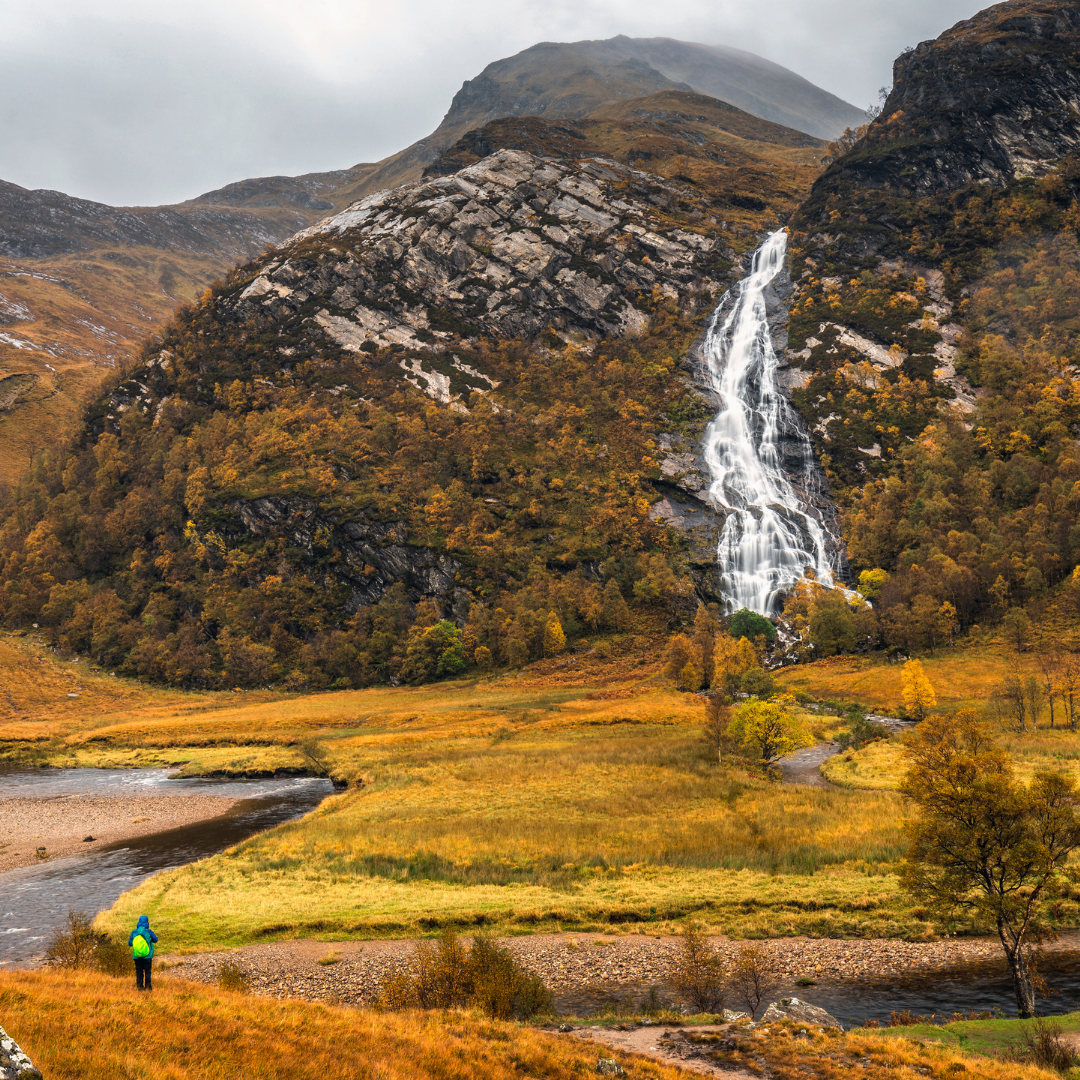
point(143, 928)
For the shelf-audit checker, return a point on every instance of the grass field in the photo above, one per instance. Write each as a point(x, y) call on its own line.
point(574, 796)
point(964, 676)
point(78, 1026)
point(542, 823)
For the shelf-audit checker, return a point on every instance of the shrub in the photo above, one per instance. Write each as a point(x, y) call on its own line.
point(112, 957)
point(749, 624)
point(73, 946)
point(445, 975)
point(1040, 1043)
point(233, 977)
point(697, 973)
point(754, 977)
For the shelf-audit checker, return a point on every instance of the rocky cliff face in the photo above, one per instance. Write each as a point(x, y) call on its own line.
point(994, 99)
point(942, 243)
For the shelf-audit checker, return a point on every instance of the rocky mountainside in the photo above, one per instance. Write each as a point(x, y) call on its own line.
point(934, 321)
point(993, 100)
point(72, 315)
point(471, 397)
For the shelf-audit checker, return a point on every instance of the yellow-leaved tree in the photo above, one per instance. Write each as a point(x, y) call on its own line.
point(918, 694)
point(768, 729)
point(554, 635)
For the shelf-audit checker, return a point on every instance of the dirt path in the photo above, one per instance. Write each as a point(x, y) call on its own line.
point(663, 1043)
point(804, 766)
point(66, 824)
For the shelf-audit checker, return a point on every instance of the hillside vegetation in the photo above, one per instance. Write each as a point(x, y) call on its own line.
point(66, 1020)
point(934, 317)
point(337, 472)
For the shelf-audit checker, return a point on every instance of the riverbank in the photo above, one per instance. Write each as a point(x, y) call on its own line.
point(352, 972)
point(34, 827)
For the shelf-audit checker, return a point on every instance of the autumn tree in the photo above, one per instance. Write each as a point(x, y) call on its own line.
point(679, 653)
point(732, 661)
point(705, 630)
point(614, 610)
point(1017, 628)
point(984, 844)
point(917, 692)
point(767, 729)
point(716, 722)
point(554, 636)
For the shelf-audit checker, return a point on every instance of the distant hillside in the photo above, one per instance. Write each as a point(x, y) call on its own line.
point(572, 80)
point(83, 283)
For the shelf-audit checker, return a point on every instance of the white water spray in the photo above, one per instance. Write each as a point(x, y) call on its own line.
point(758, 452)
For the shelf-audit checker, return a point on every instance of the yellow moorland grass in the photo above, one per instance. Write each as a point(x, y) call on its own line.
point(538, 821)
point(880, 766)
point(78, 1026)
point(964, 676)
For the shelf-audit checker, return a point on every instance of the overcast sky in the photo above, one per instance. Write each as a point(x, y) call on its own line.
point(145, 102)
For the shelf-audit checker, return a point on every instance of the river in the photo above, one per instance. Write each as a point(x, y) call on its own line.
point(36, 899)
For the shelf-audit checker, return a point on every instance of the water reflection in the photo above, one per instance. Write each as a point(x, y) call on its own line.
point(35, 899)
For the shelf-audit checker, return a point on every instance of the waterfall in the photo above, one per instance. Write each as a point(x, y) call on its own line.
point(759, 453)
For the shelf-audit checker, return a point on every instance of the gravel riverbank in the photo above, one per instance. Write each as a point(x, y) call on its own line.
point(61, 824)
point(568, 963)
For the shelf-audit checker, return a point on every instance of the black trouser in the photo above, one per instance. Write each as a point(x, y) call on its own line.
point(142, 970)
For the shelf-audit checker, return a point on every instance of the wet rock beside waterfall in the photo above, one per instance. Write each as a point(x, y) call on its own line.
point(14, 1064)
point(802, 1011)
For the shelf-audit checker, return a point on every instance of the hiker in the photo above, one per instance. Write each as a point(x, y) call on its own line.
point(142, 940)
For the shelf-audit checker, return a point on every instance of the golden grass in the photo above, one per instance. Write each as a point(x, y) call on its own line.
point(963, 677)
point(542, 820)
point(80, 1025)
point(881, 765)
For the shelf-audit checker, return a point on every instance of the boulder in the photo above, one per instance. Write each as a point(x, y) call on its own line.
point(14, 1064)
point(802, 1011)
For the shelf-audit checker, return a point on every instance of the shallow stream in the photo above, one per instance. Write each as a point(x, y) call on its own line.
point(35, 899)
point(982, 985)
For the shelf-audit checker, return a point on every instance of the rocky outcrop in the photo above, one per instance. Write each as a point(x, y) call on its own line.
point(509, 247)
point(14, 1064)
point(800, 1011)
point(370, 556)
point(994, 99)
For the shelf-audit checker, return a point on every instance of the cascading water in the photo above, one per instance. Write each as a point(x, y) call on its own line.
point(759, 453)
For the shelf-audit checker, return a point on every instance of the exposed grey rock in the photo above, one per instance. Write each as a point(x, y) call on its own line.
point(609, 1067)
point(14, 1064)
point(794, 1009)
point(508, 247)
point(373, 554)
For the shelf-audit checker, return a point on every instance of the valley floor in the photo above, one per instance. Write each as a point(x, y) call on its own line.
point(575, 795)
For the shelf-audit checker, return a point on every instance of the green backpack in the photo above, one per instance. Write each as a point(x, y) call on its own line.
point(140, 947)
